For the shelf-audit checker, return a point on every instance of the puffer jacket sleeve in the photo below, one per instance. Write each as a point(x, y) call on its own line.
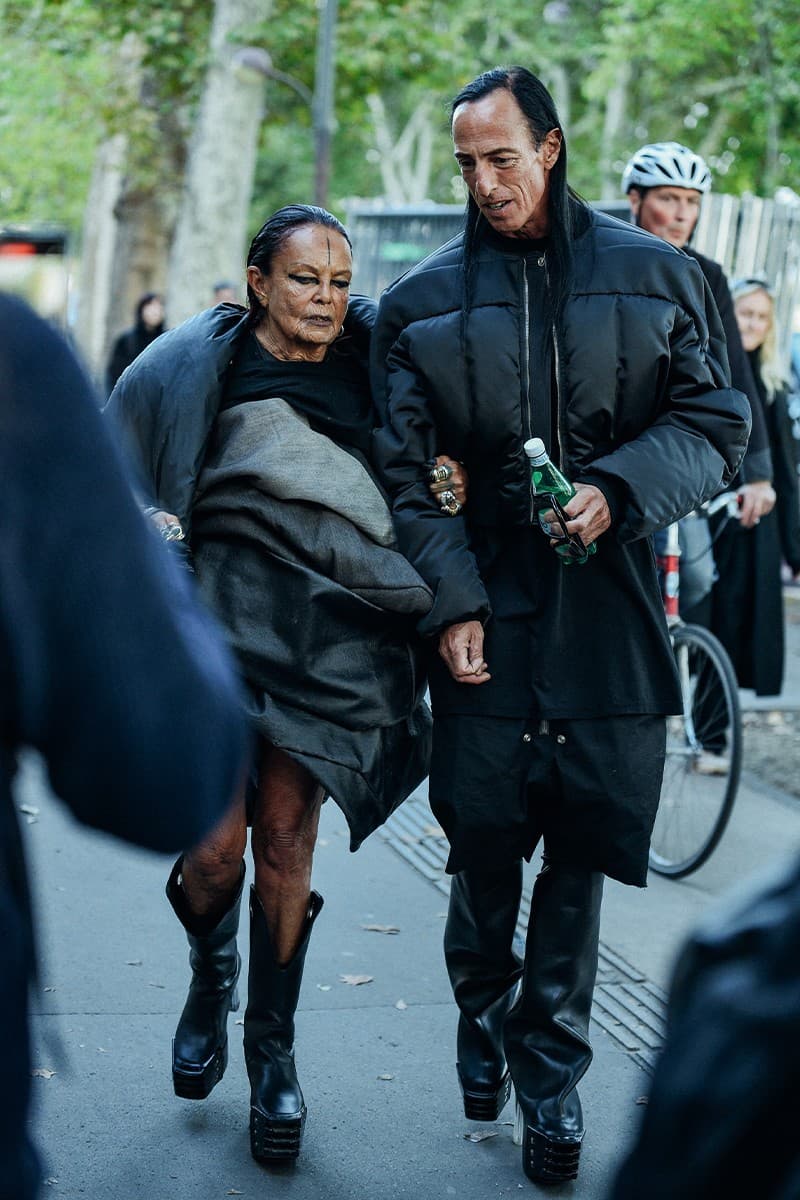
point(407, 439)
point(696, 443)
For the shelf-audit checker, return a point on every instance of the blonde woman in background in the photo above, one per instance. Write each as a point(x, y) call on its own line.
point(748, 609)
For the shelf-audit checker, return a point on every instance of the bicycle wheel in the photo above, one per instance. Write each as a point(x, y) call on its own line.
point(704, 756)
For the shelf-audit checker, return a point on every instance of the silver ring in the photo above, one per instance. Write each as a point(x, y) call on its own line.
point(440, 474)
point(449, 504)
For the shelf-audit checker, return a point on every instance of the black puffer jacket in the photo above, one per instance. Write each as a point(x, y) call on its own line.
point(645, 407)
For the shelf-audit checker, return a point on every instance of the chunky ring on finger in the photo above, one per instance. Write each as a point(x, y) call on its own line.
point(440, 474)
point(449, 504)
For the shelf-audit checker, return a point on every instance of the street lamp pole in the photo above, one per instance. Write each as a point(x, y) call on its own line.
point(322, 108)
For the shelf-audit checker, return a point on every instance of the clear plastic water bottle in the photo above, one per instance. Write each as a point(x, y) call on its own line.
point(546, 479)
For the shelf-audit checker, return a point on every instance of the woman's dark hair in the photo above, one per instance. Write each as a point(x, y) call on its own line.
point(540, 113)
point(274, 232)
point(143, 302)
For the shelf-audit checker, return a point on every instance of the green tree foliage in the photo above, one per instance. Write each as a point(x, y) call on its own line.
point(723, 77)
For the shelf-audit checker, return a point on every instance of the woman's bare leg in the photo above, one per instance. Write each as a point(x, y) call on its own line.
point(285, 824)
point(211, 872)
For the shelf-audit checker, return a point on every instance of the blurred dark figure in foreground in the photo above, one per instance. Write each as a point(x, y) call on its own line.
point(722, 1114)
point(149, 323)
point(107, 667)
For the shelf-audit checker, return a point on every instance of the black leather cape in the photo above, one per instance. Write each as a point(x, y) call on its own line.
point(331, 667)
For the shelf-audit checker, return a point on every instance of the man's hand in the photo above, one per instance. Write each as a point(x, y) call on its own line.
point(589, 513)
point(455, 482)
point(755, 501)
point(461, 647)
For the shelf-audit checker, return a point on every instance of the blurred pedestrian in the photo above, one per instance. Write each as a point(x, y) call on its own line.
point(225, 292)
point(147, 326)
point(109, 668)
point(253, 428)
point(551, 682)
point(665, 183)
point(748, 614)
point(721, 1116)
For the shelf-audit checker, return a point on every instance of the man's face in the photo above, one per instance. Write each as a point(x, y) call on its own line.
point(670, 213)
point(508, 178)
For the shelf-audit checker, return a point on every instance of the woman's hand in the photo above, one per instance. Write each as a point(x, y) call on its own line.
point(447, 481)
point(755, 501)
point(461, 647)
point(166, 523)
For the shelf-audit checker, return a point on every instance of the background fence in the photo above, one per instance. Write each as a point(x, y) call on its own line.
point(747, 234)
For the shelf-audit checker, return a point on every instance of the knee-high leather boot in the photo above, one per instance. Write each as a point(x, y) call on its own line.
point(277, 1108)
point(484, 906)
point(547, 1032)
point(200, 1045)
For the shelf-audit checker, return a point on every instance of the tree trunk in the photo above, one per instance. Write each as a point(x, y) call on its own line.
point(98, 247)
point(210, 235)
point(616, 102)
point(405, 164)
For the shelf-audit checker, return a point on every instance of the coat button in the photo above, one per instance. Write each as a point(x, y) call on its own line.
point(561, 739)
point(526, 737)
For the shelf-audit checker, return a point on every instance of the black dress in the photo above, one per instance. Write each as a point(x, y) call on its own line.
point(748, 615)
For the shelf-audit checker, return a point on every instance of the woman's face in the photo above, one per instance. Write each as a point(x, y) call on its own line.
point(305, 294)
point(754, 317)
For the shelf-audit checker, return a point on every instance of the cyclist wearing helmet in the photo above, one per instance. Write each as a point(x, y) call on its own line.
point(665, 183)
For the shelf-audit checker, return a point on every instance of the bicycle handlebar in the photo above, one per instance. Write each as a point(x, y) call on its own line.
point(729, 501)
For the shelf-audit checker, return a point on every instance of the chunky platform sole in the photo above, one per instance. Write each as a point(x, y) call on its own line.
point(484, 1104)
point(273, 1139)
point(198, 1083)
point(547, 1158)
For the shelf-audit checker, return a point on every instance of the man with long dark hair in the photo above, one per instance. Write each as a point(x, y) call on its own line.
point(551, 682)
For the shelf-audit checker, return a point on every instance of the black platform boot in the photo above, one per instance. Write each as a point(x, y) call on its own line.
point(484, 974)
point(277, 1108)
point(547, 1032)
point(200, 1045)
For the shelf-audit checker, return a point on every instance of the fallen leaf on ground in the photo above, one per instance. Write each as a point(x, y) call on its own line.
point(158, 985)
point(324, 987)
point(355, 980)
point(239, 1022)
point(381, 928)
point(133, 962)
point(384, 1077)
point(233, 1192)
point(42, 1073)
point(29, 810)
point(476, 1136)
point(641, 1100)
point(401, 1004)
point(434, 831)
point(49, 1182)
point(49, 989)
point(102, 1050)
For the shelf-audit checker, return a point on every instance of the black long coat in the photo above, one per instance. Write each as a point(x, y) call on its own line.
point(747, 600)
point(645, 411)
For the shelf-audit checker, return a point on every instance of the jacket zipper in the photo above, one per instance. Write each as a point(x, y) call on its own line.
point(564, 466)
point(526, 343)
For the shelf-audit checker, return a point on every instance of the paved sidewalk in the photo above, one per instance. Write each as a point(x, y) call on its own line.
point(376, 1060)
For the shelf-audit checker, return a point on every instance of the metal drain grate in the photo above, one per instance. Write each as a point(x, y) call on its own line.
point(627, 1005)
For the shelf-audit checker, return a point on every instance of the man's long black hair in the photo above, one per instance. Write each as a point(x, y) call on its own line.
point(540, 113)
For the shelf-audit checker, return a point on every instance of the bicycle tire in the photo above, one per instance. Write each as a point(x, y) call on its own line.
point(695, 807)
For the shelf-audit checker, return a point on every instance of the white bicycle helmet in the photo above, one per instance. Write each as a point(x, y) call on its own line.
point(666, 164)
